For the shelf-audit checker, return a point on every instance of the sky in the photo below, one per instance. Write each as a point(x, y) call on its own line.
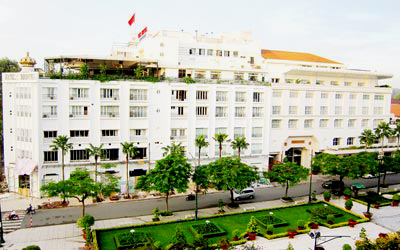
point(362, 34)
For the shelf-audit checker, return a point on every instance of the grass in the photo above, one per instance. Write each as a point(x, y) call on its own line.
point(165, 232)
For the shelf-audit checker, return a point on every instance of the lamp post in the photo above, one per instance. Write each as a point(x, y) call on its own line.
point(380, 158)
point(316, 234)
point(311, 174)
point(1, 228)
point(196, 210)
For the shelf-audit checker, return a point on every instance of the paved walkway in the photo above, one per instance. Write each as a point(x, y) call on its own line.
point(69, 236)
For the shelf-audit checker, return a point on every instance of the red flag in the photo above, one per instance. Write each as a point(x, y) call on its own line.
point(132, 20)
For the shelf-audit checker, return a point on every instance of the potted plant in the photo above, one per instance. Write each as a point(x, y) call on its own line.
point(270, 229)
point(301, 224)
point(85, 223)
point(235, 235)
point(224, 243)
point(292, 232)
point(331, 219)
point(377, 205)
point(367, 214)
point(327, 195)
point(395, 200)
point(348, 204)
point(351, 222)
point(221, 205)
point(156, 213)
point(314, 195)
point(382, 235)
point(347, 193)
point(315, 169)
point(314, 224)
point(252, 228)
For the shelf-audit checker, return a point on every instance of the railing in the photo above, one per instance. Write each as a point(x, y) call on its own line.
point(49, 115)
point(49, 97)
point(110, 115)
point(174, 115)
point(115, 98)
point(184, 137)
point(78, 97)
point(78, 115)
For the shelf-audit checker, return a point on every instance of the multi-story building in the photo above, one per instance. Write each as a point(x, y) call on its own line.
point(285, 104)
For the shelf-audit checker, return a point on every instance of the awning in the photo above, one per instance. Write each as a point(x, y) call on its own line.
point(25, 166)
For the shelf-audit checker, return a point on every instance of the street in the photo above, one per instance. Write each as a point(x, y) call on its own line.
point(134, 208)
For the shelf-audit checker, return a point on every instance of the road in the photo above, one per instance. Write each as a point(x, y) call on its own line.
point(103, 211)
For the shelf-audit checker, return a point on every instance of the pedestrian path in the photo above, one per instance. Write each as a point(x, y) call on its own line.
point(12, 225)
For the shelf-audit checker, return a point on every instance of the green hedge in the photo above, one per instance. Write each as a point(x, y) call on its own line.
point(208, 235)
point(280, 235)
point(283, 222)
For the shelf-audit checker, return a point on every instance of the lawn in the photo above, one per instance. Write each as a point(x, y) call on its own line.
point(229, 222)
point(377, 199)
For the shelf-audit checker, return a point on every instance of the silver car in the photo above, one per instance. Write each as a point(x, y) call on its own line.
point(248, 193)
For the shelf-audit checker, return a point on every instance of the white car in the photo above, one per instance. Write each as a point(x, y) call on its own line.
point(247, 193)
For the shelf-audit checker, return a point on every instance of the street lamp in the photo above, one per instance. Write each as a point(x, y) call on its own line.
point(380, 158)
point(316, 234)
point(311, 174)
point(1, 228)
point(196, 210)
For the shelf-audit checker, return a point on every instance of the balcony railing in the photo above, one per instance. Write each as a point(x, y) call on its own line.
point(110, 115)
point(111, 98)
point(49, 115)
point(49, 97)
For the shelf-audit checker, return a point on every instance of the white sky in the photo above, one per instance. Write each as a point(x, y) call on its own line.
point(360, 33)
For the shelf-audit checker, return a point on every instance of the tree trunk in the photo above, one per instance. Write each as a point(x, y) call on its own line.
point(239, 153)
point(398, 141)
point(83, 207)
point(384, 179)
point(232, 200)
point(95, 169)
point(220, 150)
point(166, 201)
point(127, 175)
point(199, 155)
point(62, 169)
point(287, 188)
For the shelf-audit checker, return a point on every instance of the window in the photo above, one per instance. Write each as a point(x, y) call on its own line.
point(220, 130)
point(309, 95)
point(202, 131)
point(181, 73)
point(202, 52)
point(141, 153)
point(256, 132)
point(308, 123)
point(48, 112)
point(201, 111)
point(361, 84)
point(192, 51)
point(227, 53)
point(323, 123)
point(49, 93)
point(109, 111)
point(221, 96)
point(365, 110)
point(79, 133)
point(50, 156)
point(337, 123)
point(365, 97)
point(238, 132)
point(319, 82)
point(221, 111)
point(256, 148)
point(79, 155)
point(201, 95)
point(292, 110)
point(219, 52)
point(257, 96)
point(50, 134)
point(138, 94)
point(235, 53)
point(276, 93)
point(350, 140)
point(77, 111)
point(364, 123)
point(238, 76)
point(78, 93)
point(276, 110)
point(378, 110)
point(351, 123)
point(109, 132)
point(276, 123)
point(177, 111)
point(210, 52)
point(338, 96)
point(352, 110)
point(109, 94)
point(323, 110)
point(258, 112)
point(240, 96)
point(275, 80)
point(216, 75)
point(251, 60)
point(353, 96)
point(338, 110)
point(253, 77)
point(200, 74)
point(324, 95)
point(292, 123)
point(392, 139)
point(294, 94)
point(137, 111)
point(334, 83)
point(182, 132)
point(379, 97)
point(336, 141)
point(179, 95)
point(347, 83)
point(308, 110)
point(110, 154)
point(289, 81)
point(240, 112)
point(138, 132)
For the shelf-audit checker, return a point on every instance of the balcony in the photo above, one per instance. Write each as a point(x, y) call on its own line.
point(49, 115)
point(78, 98)
point(78, 116)
point(178, 116)
point(138, 138)
point(113, 98)
point(110, 115)
point(178, 138)
point(49, 97)
point(109, 139)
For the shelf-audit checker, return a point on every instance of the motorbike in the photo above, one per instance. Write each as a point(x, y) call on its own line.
point(16, 217)
point(30, 211)
point(190, 197)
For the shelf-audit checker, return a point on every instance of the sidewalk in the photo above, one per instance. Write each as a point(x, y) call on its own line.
point(69, 236)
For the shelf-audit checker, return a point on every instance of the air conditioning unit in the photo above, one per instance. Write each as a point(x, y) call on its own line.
point(51, 97)
point(45, 116)
point(113, 115)
point(71, 115)
point(71, 98)
point(115, 98)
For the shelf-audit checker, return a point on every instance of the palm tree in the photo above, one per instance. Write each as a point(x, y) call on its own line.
point(129, 150)
point(174, 148)
point(96, 152)
point(383, 131)
point(396, 132)
point(367, 137)
point(239, 143)
point(200, 142)
point(61, 142)
point(220, 138)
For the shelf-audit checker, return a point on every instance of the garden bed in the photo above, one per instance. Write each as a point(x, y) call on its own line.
point(266, 220)
point(130, 240)
point(378, 199)
point(207, 230)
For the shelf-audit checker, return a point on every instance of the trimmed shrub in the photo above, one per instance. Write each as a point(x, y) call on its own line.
point(349, 203)
point(221, 205)
point(236, 233)
point(346, 247)
point(31, 247)
point(327, 195)
point(301, 223)
point(396, 197)
point(252, 227)
point(330, 218)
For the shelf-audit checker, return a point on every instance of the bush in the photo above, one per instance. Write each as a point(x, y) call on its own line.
point(236, 233)
point(221, 205)
point(330, 218)
point(156, 212)
point(346, 247)
point(165, 213)
point(252, 227)
point(31, 247)
point(200, 243)
point(301, 223)
point(396, 197)
point(327, 195)
point(86, 221)
point(314, 195)
point(270, 228)
point(179, 240)
point(347, 192)
point(188, 80)
point(349, 203)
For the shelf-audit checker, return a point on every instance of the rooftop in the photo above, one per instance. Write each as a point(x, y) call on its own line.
point(294, 56)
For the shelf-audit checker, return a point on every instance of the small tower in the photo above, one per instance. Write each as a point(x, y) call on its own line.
point(27, 63)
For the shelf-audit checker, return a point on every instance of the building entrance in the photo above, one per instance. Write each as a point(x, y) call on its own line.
point(294, 155)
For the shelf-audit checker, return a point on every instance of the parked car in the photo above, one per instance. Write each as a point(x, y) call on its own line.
point(247, 193)
point(369, 176)
point(333, 184)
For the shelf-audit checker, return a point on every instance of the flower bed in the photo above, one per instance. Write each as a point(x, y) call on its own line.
point(323, 212)
point(130, 240)
point(266, 220)
point(207, 230)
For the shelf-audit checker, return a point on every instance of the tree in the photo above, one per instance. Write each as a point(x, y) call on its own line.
point(200, 142)
point(396, 132)
point(170, 173)
point(229, 173)
point(173, 148)
point(96, 152)
point(84, 70)
point(179, 240)
point(383, 131)
point(288, 173)
point(220, 138)
point(367, 137)
point(61, 142)
point(129, 150)
point(239, 143)
point(8, 65)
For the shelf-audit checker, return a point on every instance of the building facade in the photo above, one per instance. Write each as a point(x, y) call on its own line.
point(286, 104)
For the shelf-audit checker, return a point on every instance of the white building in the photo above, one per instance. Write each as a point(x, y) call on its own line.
point(284, 103)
